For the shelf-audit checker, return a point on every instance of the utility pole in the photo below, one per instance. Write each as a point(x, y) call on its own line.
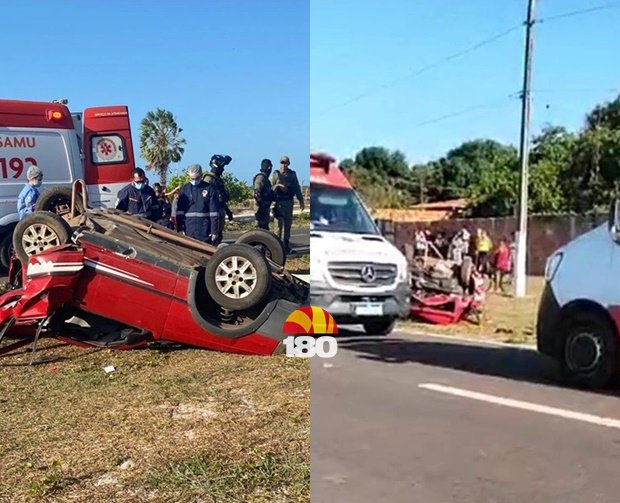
point(520, 266)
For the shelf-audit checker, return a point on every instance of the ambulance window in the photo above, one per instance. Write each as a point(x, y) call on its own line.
point(107, 149)
point(339, 210)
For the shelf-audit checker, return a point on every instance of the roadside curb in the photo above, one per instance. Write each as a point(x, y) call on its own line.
point(470, 340)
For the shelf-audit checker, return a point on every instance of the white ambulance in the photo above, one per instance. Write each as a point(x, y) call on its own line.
point(579, 313)
point(355, 273)
point(94, 145)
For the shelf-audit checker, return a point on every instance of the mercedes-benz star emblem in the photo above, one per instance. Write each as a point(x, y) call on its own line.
point(368, 273)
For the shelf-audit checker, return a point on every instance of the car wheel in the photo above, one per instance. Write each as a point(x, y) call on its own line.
point(382, 326)
point(38, 232)
point(238, 277)
point(58, 200)
point(6, 249)
point(590, 351)
point(267, 243)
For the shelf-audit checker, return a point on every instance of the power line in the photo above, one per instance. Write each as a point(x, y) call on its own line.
point(426, 68)
point(611, 5)
point(464, 111)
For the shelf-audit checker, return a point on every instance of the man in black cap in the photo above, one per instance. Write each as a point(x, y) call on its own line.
point(263, 194)
point(286, 187)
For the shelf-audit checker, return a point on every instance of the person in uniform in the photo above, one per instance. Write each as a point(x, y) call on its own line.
point(198, 210)
point(138, 198)
point(217, 165)
point(27, 198)
point(263, 194)
point(286, 187)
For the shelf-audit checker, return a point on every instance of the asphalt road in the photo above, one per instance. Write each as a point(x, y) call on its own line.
point(300, 240)
point(378, 436)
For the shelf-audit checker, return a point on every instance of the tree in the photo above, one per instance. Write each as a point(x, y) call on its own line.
point(238, 190)
point(606, 115)
point(550, 158)
point(383, 178)
point(160, 142)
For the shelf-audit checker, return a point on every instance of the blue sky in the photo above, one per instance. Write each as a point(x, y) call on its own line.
point(234, 72)
point(358, 46)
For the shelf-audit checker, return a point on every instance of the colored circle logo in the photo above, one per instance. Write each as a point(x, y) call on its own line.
point(310, 320)
point(106, 149)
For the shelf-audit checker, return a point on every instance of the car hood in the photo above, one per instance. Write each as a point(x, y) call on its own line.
point(342, 246)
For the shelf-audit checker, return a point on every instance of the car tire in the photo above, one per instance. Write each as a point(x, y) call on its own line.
point(58, 200)
point(589, 352)
point(6, 249)
point(225, 271)
point(267, 243)
point(383, 326)
point(38, 232)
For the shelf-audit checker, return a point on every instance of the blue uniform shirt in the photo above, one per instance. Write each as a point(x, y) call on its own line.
point(138, 202)
point(26, 200)
point(198, 210)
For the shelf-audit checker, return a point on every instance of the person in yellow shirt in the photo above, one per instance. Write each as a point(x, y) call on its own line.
point(484, 247)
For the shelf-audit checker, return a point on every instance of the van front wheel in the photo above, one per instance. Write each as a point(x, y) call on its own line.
point(590, 352)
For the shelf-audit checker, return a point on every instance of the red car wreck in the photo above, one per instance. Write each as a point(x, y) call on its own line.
point(102, 278)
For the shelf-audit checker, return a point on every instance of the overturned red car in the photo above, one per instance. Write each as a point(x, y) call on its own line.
point(102, 278)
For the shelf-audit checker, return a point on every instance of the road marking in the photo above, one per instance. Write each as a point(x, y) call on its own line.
point(529, 406)
point(470, 340)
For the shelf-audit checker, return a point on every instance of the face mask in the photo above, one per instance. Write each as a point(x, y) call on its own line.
point(139, 185)
point(38, 184)
point(194, 182)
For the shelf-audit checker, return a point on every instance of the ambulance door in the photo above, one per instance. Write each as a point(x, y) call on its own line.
point(109, 153)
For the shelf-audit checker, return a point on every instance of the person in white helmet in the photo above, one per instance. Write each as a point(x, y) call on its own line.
point(27, 198)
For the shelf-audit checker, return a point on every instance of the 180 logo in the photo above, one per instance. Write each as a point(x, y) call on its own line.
point(302, 325)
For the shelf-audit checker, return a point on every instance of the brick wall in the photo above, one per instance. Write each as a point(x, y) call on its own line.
point(545, 233)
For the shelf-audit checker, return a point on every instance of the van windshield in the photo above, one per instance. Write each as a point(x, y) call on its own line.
point(339, 210)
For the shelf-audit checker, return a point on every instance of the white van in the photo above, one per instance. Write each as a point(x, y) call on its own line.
point(579, 313)
point(94, 145)
point(355, 273)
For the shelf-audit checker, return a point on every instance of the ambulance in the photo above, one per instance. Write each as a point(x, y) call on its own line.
point(94, 145)
point(355, 273)
point(579, 312)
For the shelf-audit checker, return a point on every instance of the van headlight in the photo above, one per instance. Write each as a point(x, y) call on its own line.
point(403, 271)
point(553, 264)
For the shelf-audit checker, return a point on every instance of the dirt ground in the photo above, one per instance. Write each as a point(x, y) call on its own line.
point(506, 319)
point(167, 425)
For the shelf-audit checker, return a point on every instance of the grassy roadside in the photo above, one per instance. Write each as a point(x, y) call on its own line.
point(300, 221)
point(179, 425)
point(506, 319)
point(299, 265)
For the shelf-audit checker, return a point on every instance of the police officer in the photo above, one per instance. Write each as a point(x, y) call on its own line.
point(138, 198)
point(198, 210)
point(27, 198)
point(217, 164)
point(286, 187)
point(263, 194)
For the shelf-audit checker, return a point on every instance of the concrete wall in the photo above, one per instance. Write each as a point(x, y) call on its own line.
point(546, 233)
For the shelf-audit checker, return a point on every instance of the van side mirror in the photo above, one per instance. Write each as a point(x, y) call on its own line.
point(614, 221)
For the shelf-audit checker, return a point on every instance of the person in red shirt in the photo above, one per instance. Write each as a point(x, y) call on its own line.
point(502, 262)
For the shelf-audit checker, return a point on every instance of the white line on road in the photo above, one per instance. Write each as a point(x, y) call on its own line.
point(518, 404)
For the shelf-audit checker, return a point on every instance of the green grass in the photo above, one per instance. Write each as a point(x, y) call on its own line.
point(196, 425)
point(259, 476)
point(300, 221)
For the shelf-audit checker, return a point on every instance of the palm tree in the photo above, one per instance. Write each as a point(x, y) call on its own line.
point(160, 141)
